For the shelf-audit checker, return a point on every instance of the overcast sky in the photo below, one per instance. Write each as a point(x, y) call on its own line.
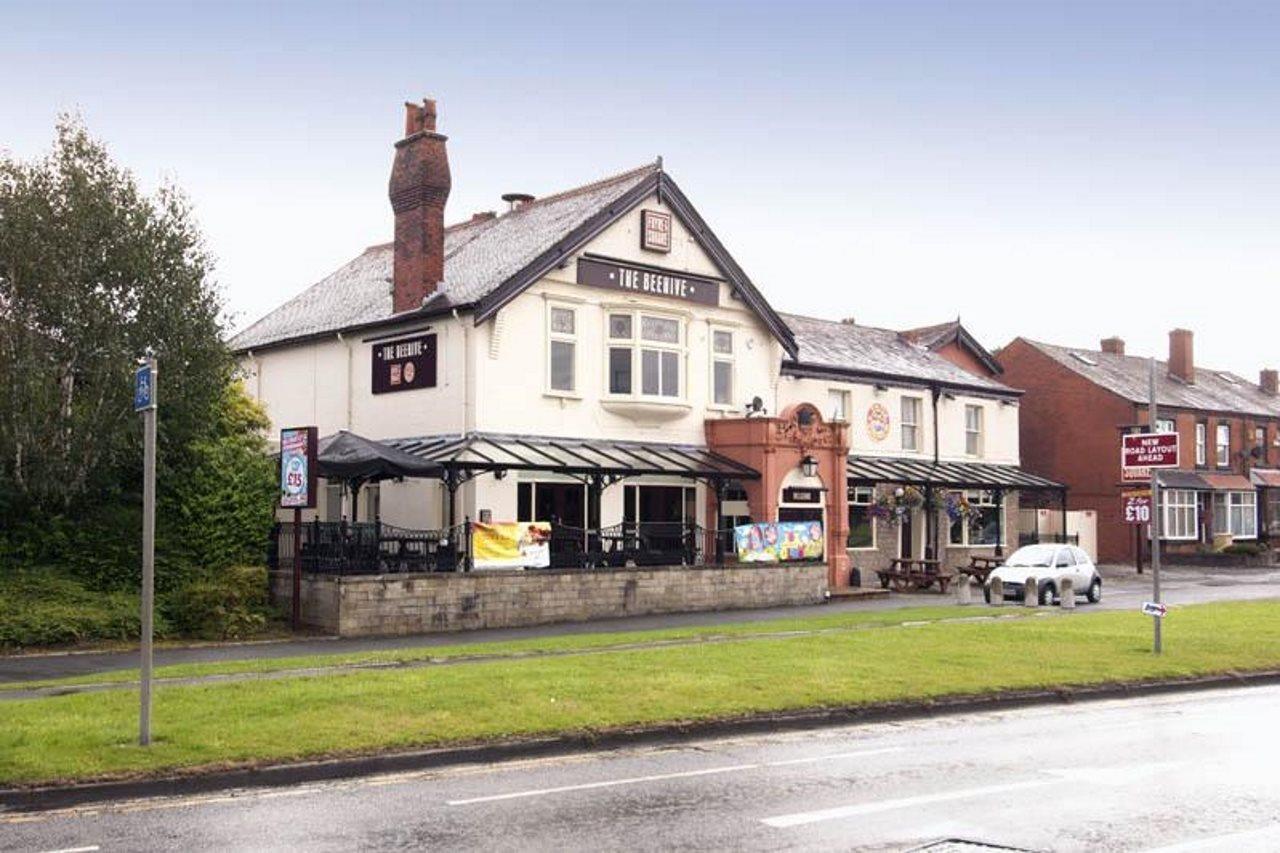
point(1063, 172)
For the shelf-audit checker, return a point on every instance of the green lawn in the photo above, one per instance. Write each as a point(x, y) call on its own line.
point(91, 735)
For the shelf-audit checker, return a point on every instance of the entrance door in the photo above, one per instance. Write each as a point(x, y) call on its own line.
point(564, 505)
point(906, 540)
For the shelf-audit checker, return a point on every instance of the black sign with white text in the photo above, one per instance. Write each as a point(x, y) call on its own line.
point(651, 282)
point(404, 364)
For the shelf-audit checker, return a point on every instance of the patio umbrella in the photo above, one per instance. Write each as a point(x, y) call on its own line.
point(347, 456)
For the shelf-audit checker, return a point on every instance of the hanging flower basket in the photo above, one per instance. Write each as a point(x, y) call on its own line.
point(959, 509)
point(898, 506)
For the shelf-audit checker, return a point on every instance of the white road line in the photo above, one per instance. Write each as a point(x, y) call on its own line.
point(1223, 842)
point(91, 849)
point(538, 792)
point(801, 818)
point(833, 756)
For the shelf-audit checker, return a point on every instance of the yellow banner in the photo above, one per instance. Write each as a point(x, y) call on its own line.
point(511, 545)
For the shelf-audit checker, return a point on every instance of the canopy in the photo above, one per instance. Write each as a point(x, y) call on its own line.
point(347, 456)
point(959, 475)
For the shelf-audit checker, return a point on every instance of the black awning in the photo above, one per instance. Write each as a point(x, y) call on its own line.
point(482, 451)
point(961, 475)
point(347, 456)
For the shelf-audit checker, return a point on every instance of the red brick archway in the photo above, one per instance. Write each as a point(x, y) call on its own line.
point(775, 447)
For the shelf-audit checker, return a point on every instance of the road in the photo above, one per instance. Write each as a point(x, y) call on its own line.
point(1192, 771)
point(1124, 590)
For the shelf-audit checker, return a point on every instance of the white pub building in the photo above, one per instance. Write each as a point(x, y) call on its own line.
point(597, 359)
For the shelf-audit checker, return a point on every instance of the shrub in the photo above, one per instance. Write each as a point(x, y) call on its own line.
point(41, 607)
point(1248, 549)
point(223, 605)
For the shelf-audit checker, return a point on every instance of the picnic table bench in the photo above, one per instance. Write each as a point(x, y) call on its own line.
point(980, 567)
point(918, 574)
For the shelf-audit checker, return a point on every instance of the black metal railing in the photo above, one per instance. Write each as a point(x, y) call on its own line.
point(1048, 538)
point(364, 548)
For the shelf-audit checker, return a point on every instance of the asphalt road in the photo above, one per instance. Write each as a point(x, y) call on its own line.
point(1123, 590)
point(1192, 771)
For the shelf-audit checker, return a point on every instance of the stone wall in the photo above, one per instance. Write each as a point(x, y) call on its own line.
point(374, 605)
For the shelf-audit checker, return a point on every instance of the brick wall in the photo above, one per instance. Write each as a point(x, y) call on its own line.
point(412, 604)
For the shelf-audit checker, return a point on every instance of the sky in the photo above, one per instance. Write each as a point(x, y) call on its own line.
point(1063, 172)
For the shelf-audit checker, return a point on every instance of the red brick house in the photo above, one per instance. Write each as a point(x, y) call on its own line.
point(1078, 402)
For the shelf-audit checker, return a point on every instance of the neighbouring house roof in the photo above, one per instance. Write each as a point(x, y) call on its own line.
point(834, 348)
point(960, 475)
point(1172, 478)
point(1228, 482)
point(938, 336)
point(1268, 478)
point(1126, 375)
point(490, 261)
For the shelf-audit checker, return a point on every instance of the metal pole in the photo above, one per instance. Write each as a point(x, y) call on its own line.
point(296, 620)
point(1157, 514)
point(148, 556)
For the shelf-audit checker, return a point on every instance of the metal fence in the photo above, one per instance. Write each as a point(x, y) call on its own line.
point(1048, 538)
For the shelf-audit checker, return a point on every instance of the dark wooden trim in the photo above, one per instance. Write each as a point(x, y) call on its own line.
point(384, 323)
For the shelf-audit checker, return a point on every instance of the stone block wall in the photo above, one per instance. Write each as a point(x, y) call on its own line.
point(379, 605)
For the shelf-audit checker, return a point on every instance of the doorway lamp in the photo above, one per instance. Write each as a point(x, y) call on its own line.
point(809, 466)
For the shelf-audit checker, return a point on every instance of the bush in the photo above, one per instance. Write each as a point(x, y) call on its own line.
point(41, 607)
point(230, 604)
point(1248, 549)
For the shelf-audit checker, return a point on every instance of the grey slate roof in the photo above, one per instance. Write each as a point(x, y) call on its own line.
point(479, 256)
point(845, 347)
point(1126, 375)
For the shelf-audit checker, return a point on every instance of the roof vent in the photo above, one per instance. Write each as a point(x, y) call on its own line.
point(1084, 359)
point(516, 200)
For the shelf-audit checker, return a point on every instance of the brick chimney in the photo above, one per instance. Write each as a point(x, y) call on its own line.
point(1181, 363)
point(1267, 380)
point(418, 190)
point(1115, 346)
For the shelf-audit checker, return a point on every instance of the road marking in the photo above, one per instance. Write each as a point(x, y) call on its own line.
point(1223, 842)
point(634, 780)
point(90, 849)
point(802, 818)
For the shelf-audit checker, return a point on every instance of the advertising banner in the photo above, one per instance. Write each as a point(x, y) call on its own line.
point(774, 542)
point(511, 545)
point(298, 468)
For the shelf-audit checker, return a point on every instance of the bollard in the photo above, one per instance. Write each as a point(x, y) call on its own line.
point(997, 592)
point(962, 590)
point(1067, 594)
point(1031, 593)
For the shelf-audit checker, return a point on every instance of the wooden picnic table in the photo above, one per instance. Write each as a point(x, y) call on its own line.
point(981, 566)
point(918, 574)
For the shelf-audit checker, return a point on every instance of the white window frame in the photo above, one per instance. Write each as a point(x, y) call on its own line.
point(1181, 521)
point(563, 337)
point(637, 344)
point(1202, 443)
point(1240, 509)
point(911, 427)
point(838, 404)
point(982, 498)
point(1166, 425)
point(973, 433)
point(865, 496)
point(1221, 449)
point(729, 358)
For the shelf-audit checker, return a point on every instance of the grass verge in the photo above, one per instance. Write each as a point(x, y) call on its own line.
point(91, 735)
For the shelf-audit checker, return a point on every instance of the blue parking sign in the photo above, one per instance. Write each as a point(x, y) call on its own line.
point(144, 389)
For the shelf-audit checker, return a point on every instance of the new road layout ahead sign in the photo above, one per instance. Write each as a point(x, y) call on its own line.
point(1149, 450)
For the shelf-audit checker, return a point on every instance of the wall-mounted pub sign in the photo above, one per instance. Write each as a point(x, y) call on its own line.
point(655, 231)
point(650, 281)
point(404, 364)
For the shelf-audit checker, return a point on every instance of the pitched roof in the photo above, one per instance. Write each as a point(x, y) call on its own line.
point(480, 255)
point(1126, 375)
point(937, 336)
point(846, 348)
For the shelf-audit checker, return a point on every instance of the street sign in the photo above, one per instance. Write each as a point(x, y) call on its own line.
point(1135, 507)
point(1152, 608)
point(1149, 450)
point(144, 388)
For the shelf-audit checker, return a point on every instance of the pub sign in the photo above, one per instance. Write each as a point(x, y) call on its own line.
point(651, 281)
point(404, 364)
point(298, 467)
point(655, 231)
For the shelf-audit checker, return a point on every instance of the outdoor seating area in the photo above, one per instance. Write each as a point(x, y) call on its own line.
point(917, 575)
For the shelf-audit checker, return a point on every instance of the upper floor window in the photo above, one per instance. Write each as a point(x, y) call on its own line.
point(722, 367)
point(651, 346)
point(973, 430)
point(1202, 444)
point(838, 404)
point(1224, 444)
point(1260, 442)
point(911, 423)
point(1166, 425)
point(562, 349)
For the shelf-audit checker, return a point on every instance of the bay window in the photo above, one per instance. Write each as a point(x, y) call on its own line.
point(562, 349)
point(862, 525)
point(1236, 513)
point(653, 347)
point(1181, 514)
point(911, 423)
point(722, 367)
point(981, 524)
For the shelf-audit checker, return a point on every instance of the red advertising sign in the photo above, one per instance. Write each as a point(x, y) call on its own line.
point(1150, 450)
point(1135, 507)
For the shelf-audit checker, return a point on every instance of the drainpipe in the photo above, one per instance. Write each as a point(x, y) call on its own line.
point(935, 392)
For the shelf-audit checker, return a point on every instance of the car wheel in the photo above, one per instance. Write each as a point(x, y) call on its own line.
point(1095, 591)
point(1046, 595)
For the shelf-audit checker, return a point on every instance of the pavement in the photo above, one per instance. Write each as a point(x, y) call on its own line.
point(1188, 771)
point(1124, 589)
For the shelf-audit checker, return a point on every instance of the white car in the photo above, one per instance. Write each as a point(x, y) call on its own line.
point(1048, 564)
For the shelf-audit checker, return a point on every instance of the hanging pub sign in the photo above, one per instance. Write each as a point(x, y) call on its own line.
point(651, 281)
point(655, 231)
point(298, 467)
point(404, 364)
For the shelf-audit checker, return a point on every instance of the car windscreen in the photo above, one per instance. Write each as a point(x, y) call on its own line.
point(1035, 556)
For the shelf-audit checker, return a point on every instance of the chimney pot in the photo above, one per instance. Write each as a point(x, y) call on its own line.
point(515, 201)
point(418, 189)
point(1270, 381)
point(1181, 357)
point(1113, 345)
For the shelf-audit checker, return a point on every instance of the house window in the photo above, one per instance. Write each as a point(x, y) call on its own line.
point(973, 430)
point(1166, 425)
point(722, 367)
point(1202, 443)
point(1181, 514)
point(862, 525)
point(911, 423)
point(562, 332)
point(981, 525)
point(1260, 442)
point(653, 347)
point(1224, 444)
point(838, 404)
point(1236, 513)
